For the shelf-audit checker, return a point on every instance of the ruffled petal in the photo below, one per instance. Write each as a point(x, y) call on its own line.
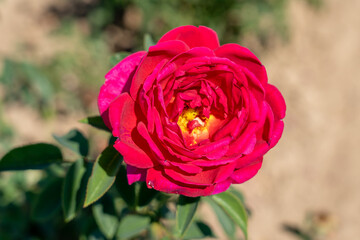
point(135, 174)
point(222, 186)
point(246, 173)
point(157, 54)
point(122, 115)
point(243, 57)
point(276, 101)
point(118, 80)
point(133, 155)
point(123, 120)
point(276, 133)
point(193, 36)
point(159, 181)
point(206, 177)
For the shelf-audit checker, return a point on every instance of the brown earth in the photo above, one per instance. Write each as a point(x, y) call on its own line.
point(315, 167)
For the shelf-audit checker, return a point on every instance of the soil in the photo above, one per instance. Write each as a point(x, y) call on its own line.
point(315, 167)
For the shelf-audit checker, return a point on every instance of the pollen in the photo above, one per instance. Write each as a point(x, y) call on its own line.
point(193, 126)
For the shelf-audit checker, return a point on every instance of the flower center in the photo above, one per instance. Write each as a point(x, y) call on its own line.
point(193, 126)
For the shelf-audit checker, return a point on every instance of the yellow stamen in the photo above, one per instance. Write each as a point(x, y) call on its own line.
point(193, 132)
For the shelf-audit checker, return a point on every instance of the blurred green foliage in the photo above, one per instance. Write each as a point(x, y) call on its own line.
point(92, 30)
point(48, 203)
point(26, 83)
point(231, 19)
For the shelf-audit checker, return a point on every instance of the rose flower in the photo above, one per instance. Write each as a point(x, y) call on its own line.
point(190, 116)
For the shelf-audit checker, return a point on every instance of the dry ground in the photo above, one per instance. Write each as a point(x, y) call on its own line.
point(315, 166)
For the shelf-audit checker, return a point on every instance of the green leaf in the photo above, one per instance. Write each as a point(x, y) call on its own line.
point(224, 219)
point(238, 194)
point(70, 190)
point(95, 235)
point(185, 211)
point(234, 207)
point(48, 202)
point(198, 230)
point(75, 141)
point(131, 225)
point(105, 216)
point(35, 156)
point(103, 174)
point(84, 182)
point(95, 121)
point(126, 191)
point(117, 57)
point(148, 42)
point(242, 198)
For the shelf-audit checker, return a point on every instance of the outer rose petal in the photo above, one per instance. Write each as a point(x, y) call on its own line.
point(277, 132)
point(157, 180)
point(244, 174)
point(133, 155)
point(135, 174)
point(157, 54)
point(122, 116)
point(244, 58)
point(118, 80)
point(123, 121)
point(276, 101)
point(222, 186)
point(193, 36)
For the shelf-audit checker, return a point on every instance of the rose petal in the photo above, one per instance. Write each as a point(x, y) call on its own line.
point(260, 149)
point(206, 177)
point(243, 57)
point(135, 174)
point(118, 80)
point(133, 155)
point(122, 107)
point(123, 121)
point(157, 54)
point(193, 36)
point(245, 143)
point(222, 186)
point(276, 133)
point(145, 134)
point(214, 150)
point(276, 101)
point(188, 168)
point(212, 163)
point(244, 174)
point(159, 181)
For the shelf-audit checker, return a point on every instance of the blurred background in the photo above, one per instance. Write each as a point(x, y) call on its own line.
point(54, 55)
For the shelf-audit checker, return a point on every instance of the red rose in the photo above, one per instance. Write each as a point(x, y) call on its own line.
point(191, 116)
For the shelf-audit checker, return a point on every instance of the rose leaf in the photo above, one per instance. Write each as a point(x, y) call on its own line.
point(185, 211)
point(131, 225)
point(105, 216)
point(34, 156)
point(103, 174)
point(95, 121)
point(75, 141)
point(70, 191)
point(234, 207)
